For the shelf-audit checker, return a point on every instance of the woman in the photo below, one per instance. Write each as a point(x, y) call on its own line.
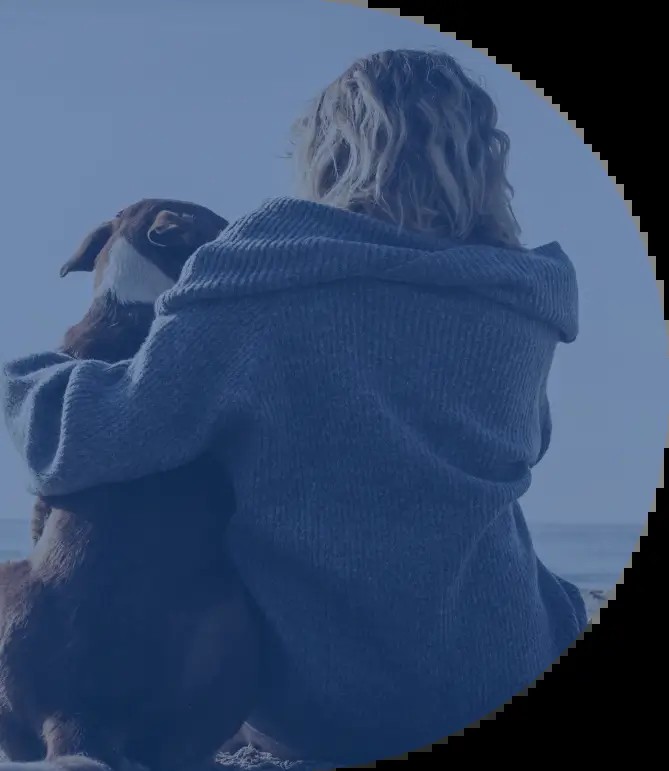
point(369, 362)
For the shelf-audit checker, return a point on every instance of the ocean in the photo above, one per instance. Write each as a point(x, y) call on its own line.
point(593, 557)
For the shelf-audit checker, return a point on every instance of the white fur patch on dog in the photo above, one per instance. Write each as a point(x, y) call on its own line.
point(130, 277)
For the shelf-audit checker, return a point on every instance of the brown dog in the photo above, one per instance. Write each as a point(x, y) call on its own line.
point(126, 635)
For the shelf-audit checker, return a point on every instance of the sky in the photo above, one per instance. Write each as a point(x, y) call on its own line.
point(103, 102)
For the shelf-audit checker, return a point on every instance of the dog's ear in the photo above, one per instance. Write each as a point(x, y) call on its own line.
point(84, 258)
point(172, 229)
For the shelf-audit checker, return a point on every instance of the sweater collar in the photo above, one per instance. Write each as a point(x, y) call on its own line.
point(289, 243)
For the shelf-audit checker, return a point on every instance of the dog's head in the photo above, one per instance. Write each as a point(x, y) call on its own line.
point(139, 254)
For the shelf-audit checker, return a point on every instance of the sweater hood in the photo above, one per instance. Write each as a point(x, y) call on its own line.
point(288, 243)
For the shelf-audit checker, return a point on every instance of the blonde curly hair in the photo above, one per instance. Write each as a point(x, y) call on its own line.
point(408, 137)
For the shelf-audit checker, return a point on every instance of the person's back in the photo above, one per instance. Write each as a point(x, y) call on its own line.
point(369, 363)
point(377, 464)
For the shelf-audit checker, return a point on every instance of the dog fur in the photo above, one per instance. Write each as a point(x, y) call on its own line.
point(126, 636)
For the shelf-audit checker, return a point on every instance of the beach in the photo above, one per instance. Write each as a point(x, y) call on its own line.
point(592, 557)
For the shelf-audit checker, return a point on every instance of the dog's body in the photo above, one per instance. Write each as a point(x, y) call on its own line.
point(127, 634)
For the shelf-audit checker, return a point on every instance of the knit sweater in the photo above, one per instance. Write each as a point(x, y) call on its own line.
point(378, 400)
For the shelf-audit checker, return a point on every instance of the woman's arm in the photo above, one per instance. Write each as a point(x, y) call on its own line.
point(78, 424)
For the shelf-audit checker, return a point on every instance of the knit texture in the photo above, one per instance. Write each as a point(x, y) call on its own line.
point(378, 400)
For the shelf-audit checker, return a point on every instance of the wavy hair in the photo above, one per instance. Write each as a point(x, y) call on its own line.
point(408, 137)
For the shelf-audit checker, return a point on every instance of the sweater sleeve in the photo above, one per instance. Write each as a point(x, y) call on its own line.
point(78, 424)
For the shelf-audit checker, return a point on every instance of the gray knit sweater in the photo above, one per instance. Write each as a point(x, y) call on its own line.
point(378, 400)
